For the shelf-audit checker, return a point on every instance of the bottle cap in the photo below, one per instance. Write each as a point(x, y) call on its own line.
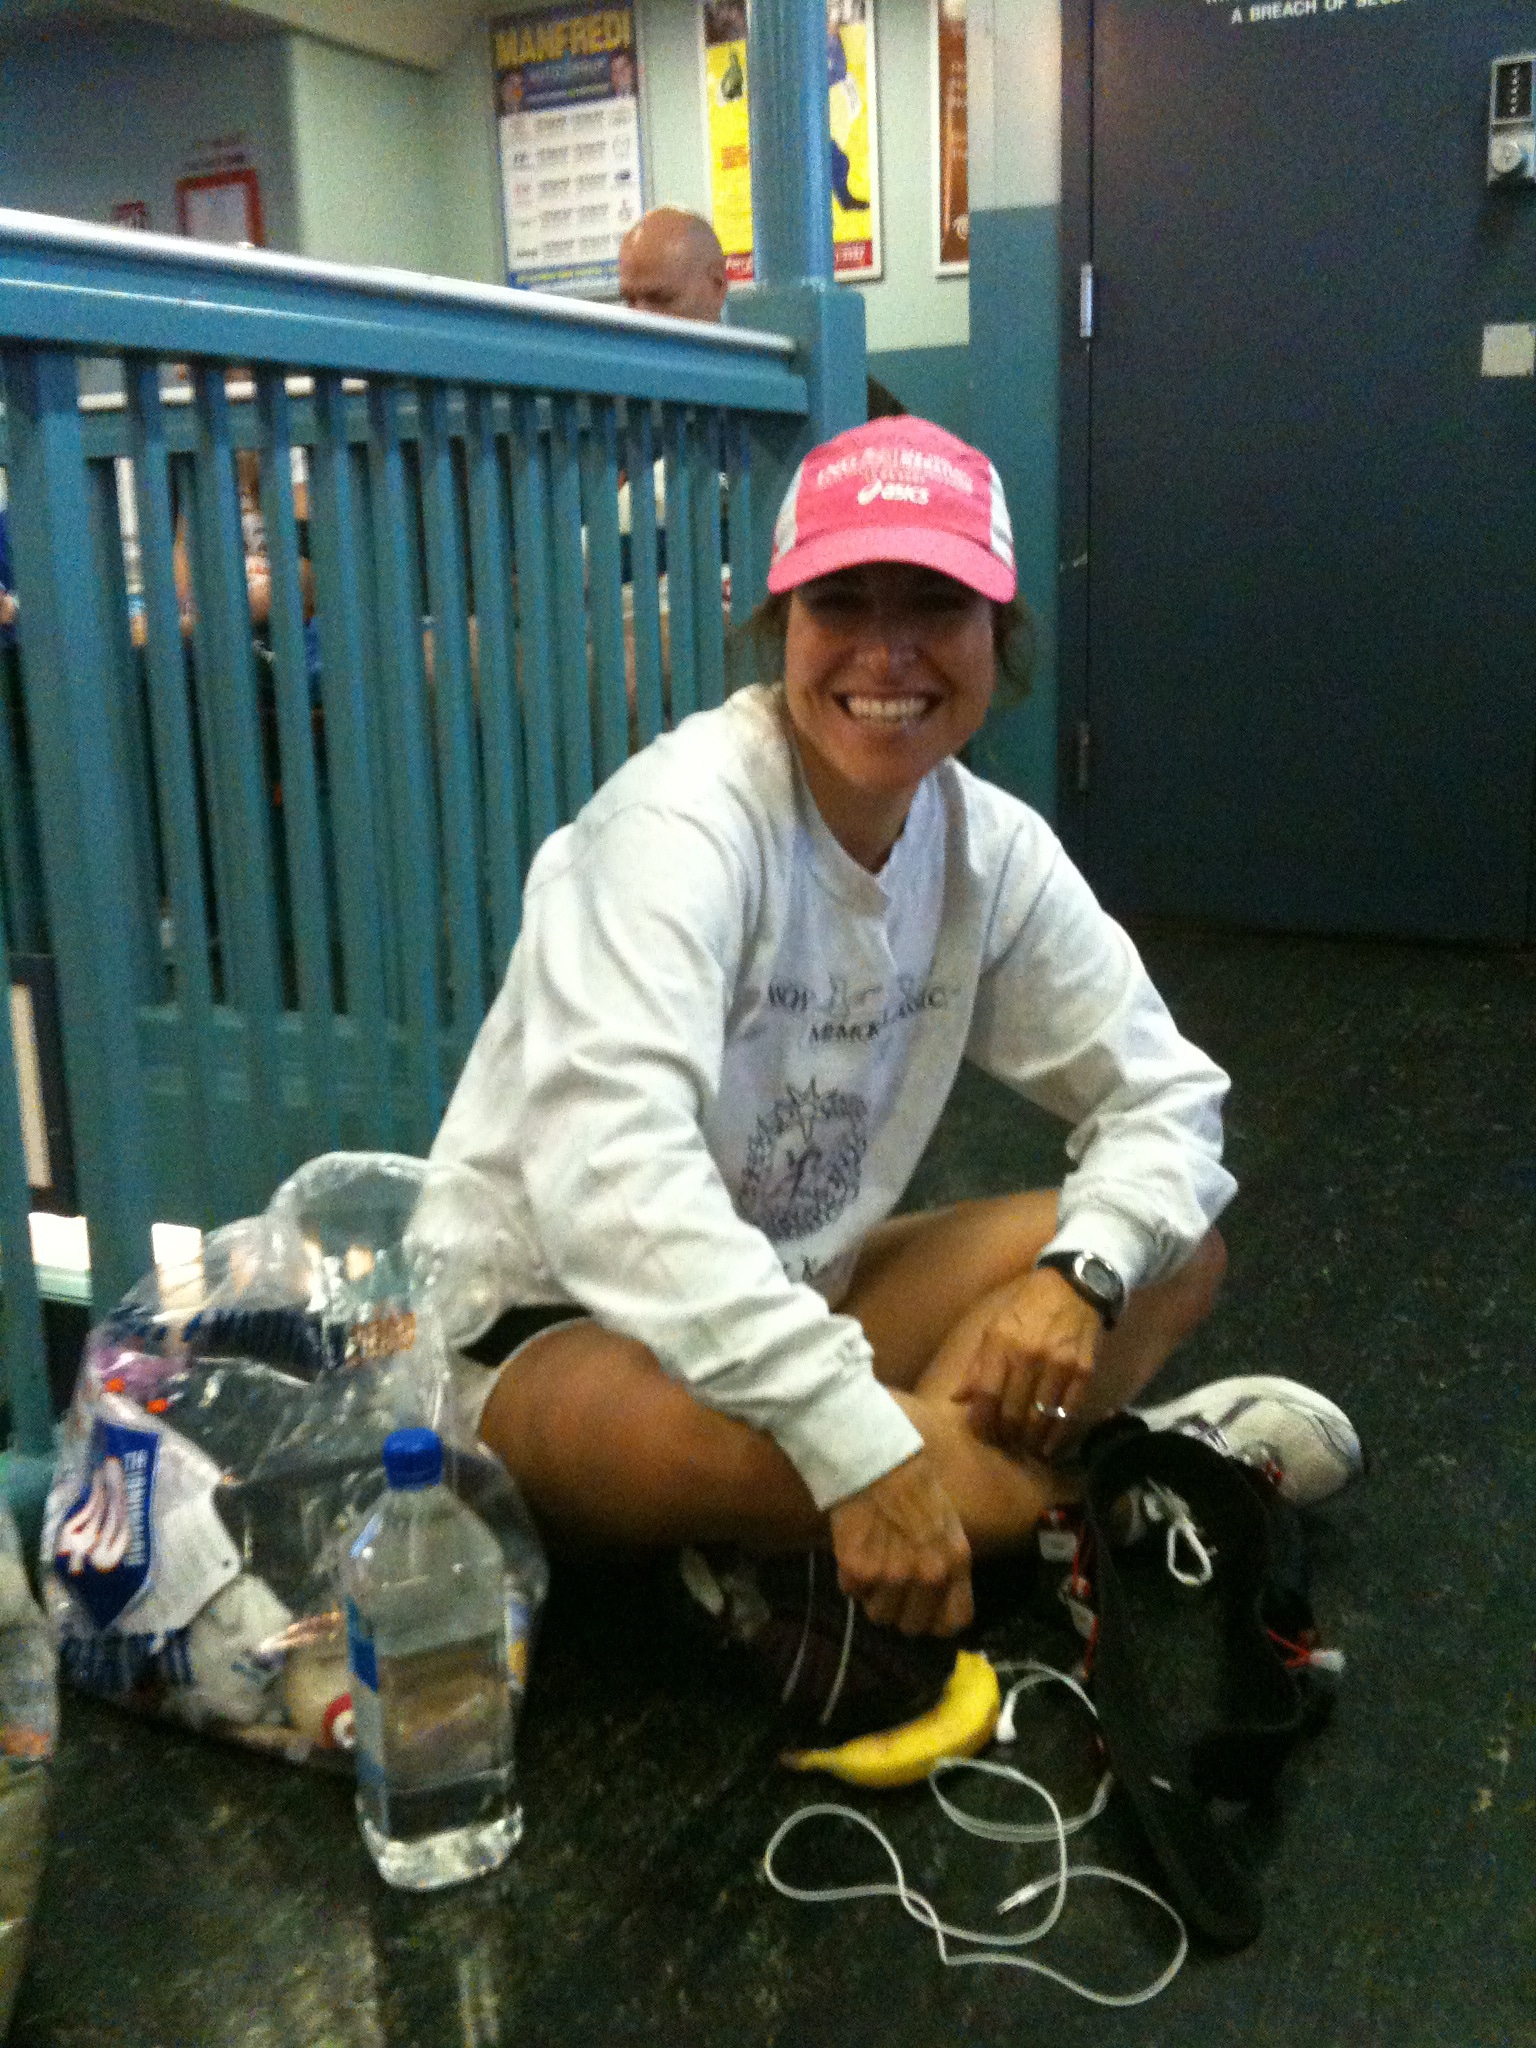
point(413, 1457)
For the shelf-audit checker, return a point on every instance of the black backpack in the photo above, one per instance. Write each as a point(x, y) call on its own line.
point(1204, 1681)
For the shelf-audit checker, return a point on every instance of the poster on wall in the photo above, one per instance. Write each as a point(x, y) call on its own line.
point(223, 206)
point(952, 212)
point(851, 122)
point(568, 125)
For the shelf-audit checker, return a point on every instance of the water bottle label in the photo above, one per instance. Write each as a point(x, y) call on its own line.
point(361, 1655)
point(517, 1639)
point(367, 1713)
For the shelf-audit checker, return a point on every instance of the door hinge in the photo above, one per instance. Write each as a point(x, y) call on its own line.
point(1085, 302)
point(1084, 755)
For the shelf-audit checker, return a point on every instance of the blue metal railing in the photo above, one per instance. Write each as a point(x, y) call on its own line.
point(275, 848)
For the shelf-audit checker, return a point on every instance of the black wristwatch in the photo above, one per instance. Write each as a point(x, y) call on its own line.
point(1091, 1277)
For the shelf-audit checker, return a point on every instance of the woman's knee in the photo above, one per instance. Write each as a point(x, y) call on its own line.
point(1186, 1297)
point(1203, 1273)
point(605, 1444)
point(553, 1388)
point(921, 1275)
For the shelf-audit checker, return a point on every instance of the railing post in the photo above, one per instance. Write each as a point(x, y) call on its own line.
point(87, 855)
point(793, 292)
point(25, 1469)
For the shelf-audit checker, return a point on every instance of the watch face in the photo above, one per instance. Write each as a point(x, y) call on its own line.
point(1094, 1279)
point(1101, 1278)
point(1097, 1281)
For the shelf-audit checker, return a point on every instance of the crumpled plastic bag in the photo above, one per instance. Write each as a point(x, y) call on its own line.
point(224, 1444)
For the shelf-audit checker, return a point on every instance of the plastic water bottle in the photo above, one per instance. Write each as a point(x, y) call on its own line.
point(428, 1643)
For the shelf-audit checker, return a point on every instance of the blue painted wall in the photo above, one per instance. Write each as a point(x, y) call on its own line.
point(935, 383)
point(1015, 356)
point(92, 116)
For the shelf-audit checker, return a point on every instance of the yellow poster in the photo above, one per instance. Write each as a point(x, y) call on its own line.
point(851, 134)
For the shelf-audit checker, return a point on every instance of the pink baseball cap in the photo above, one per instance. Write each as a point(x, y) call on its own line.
point(897, 490)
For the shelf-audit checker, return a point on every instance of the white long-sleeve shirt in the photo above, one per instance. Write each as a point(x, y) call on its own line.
point(722, 1046)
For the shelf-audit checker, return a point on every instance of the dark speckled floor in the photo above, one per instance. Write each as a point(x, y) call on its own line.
point(1384, 1248)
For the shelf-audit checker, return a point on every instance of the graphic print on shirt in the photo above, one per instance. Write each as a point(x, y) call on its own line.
point(803, 1162)
point(857, 1016)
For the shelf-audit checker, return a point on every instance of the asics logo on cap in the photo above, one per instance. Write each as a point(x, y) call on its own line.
point(905, 494)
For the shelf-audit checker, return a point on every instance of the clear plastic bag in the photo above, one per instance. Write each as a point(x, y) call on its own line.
point(28, 1728)
point(225, 1444)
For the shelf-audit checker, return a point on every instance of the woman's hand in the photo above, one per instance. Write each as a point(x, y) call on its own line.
point(1029, 1371)
point(902, 1554)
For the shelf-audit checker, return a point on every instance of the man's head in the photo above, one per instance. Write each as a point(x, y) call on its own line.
point(672, 262)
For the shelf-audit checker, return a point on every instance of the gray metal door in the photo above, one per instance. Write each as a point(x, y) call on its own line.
point(1299, 617)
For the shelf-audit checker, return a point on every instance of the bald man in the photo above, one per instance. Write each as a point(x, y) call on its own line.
point(672, 262)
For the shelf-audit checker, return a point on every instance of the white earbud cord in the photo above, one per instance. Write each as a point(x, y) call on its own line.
point(999, 1949)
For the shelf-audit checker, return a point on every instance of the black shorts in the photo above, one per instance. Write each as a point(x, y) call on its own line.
point(515, 1326)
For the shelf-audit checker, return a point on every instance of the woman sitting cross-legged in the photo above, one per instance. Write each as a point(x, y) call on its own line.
point(746, 978)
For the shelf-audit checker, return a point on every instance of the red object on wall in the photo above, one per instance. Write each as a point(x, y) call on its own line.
point(132, 213)
point(224, 206)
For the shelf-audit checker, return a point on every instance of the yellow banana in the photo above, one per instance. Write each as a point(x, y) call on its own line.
point(958, 1725)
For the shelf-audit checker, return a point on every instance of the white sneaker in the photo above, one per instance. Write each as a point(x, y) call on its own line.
point(1305, 1443)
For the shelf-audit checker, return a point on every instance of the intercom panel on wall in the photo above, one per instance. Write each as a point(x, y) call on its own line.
point(1511, 121)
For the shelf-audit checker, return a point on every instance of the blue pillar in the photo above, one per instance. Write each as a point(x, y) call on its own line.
point(791, 153)
point(792, 292)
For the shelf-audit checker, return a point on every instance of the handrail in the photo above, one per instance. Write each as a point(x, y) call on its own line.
point(58, 230)
point(75, 284)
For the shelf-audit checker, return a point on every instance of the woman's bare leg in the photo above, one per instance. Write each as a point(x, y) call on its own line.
point(606, 1447)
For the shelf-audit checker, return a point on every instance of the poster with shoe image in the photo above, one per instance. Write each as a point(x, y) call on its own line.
point(851, 125)
point(568, 126)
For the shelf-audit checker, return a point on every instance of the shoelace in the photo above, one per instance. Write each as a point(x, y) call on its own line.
point(1002, 1950)
point(1161, 1505)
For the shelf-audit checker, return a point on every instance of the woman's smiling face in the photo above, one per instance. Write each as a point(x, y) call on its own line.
point(888, 670)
